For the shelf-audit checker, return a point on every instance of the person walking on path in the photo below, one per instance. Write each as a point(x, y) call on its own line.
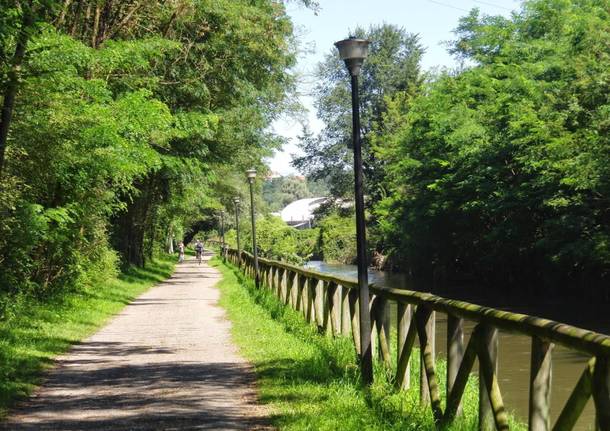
point(166, 362)
point(181, 252)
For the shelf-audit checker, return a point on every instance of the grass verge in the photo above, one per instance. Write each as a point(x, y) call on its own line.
point(37, 332)
point(310, 381)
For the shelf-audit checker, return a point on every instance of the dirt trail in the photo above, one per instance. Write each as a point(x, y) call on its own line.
point(166, 362)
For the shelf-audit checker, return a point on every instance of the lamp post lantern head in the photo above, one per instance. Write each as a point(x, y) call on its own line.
point(353, 51)
point(251, 174)
point(236, 200)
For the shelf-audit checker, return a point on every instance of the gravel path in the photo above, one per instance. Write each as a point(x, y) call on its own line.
point(166, 362)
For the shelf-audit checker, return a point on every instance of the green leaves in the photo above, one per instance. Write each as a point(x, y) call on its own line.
point(133, 121)
point(502, 169)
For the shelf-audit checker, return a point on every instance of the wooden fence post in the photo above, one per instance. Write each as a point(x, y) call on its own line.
point(424, 393)
point(540, 385)
point(405, 345)
point(294, 289)
point(289, 288)
point(328, 289)
point(374, 326)
point(314, 298)
point(578, 399)
point(319, 303)
point(345, 314)
point(334, 297)
point(354, 311)
point(601, 392)
point(298, 300)
point(382, 315)
point(455, 351)
point(282, 286)
point(271, 278)
point(488, 342)
point(429, 383)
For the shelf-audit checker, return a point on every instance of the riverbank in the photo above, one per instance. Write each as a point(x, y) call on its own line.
point(37, 332)
point(311, 381)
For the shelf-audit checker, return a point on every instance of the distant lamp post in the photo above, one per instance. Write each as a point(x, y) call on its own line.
point(236, 202)
point(251, 175)
point(222, 233)
point(353, 51)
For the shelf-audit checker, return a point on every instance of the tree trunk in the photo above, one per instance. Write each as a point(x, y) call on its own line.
point(12, 85)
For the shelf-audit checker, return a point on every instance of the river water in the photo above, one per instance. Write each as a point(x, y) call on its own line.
point(514, 349)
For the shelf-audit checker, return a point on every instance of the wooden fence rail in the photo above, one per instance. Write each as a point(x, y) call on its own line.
point(331, 303)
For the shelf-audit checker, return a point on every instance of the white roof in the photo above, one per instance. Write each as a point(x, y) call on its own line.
point(301, 210)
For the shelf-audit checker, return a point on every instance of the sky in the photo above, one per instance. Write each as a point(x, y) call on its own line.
point(433, 20)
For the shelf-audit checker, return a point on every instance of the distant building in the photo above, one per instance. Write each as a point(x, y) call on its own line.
point(299, 214)
point(273, 175)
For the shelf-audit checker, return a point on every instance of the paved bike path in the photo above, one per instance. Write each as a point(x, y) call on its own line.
point(166, 362)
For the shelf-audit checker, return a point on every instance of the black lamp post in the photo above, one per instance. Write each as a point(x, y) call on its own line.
point(222, 233)
point(353, 51)
point(236, 202)
point(251, 174)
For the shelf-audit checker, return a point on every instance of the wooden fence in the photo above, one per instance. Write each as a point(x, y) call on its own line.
point(331, 303)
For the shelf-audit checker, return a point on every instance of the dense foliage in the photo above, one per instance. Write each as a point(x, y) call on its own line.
point(276, 240)
point(503, 169)
point(337, 241)
point(129, 122)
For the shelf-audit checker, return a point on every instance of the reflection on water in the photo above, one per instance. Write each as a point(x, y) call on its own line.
point(514, 349)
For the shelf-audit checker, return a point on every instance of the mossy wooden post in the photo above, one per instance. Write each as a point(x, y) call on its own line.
point(326, 306)
point(373, 320)
point(334, 298)
point(319, 303)
point(294, 288)
point(286, 288)
point(454, 399)
point(262, 267)
point(354, 312)
point(346, 321)
point(455, 351)
point(540, 385)
point(289, 288)
point(489, 342)
point(601, 392)
point(426, 343)
point(272, 271)
point(383, 329)
point(283, 285)
point(277, 282)
point(314, 295)
point(274, 276)
point(267, 276)
point(424, 393)
point(405, 345)
point(577, 401)
point(298, 305)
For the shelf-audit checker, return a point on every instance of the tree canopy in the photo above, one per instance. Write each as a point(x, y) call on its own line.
point(126, 122)
point(502, 169)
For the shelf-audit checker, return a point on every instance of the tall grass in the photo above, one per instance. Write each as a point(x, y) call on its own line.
point(36, 331)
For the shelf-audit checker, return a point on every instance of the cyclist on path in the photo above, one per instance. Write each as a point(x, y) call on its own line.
point(199, 250)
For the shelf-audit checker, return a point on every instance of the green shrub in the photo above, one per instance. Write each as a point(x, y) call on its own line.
point(276, 240)
point(337, 239)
